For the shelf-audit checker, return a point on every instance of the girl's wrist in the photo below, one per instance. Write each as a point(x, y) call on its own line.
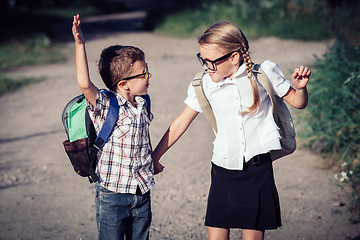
point(300, 88)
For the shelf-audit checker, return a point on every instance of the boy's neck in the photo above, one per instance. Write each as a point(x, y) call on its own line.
point(129, 97)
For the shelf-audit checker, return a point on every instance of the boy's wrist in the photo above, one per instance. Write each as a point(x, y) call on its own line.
point(80, 43)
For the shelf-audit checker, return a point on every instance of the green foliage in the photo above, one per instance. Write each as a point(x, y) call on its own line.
point(334, 101)
point(333, 125)
point(29, 51)
point(301, 19)
point(11, 84)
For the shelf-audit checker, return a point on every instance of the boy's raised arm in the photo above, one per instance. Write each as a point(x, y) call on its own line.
point(82, 69)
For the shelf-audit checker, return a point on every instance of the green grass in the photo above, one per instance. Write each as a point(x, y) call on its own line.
point(10, 84)
point(26, 52)
point(29, 51)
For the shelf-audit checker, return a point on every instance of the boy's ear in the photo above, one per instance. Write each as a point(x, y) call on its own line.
point(124, 85)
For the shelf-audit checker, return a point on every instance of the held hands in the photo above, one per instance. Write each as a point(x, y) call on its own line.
point(300, 77)
point(158, 167)
point(76, 30)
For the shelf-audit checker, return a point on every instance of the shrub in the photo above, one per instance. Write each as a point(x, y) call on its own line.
point(333, 122)
point(258, 18)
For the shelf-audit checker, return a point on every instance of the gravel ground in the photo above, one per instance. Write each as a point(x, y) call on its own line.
point(42, 198)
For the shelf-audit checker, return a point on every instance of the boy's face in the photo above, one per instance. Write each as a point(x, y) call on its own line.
point(139, 85)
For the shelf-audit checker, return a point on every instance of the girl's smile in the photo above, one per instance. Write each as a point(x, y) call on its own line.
point(224, 68)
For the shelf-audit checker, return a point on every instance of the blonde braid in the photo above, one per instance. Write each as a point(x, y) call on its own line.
point(256, 97)
point(230, 38)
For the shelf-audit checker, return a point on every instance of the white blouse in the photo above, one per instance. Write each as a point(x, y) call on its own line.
point(240, 137)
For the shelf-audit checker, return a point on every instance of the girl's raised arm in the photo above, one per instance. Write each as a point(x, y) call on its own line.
point(298, 97)
point(82, 69)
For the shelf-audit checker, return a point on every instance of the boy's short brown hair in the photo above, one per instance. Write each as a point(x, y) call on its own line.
point(116, 62)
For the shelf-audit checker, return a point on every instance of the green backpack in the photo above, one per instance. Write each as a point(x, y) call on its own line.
point(83, 144)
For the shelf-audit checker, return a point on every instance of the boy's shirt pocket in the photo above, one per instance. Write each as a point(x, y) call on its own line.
point(122, 127)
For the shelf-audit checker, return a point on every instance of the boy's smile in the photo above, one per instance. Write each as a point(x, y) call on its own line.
point(139, 82)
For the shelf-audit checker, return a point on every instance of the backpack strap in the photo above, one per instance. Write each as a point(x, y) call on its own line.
point(203, 101)
point(205, 105)
point(104, 134)
point(148, 103)
point(148, 108)
point(110, 120)
point(265, 82)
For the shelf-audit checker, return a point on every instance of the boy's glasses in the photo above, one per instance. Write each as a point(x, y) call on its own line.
point(210, 64)
point(145, 74)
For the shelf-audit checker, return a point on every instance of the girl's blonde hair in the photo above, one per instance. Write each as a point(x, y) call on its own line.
point(230, 38)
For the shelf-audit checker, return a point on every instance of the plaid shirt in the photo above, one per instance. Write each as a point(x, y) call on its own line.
point(125, 160)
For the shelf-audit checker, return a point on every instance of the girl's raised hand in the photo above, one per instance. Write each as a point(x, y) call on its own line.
point(301, 77)
point(76, 30)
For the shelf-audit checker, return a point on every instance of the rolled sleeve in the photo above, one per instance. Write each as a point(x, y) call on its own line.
point(192, 100)
point(276, 76)
point(97, 112)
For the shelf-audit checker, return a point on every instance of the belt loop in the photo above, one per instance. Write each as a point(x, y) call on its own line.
point(256, 159)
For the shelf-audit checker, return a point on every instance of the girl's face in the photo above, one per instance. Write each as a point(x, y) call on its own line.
point(223, 68)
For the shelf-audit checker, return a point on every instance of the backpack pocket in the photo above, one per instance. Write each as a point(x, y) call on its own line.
point(78, 153)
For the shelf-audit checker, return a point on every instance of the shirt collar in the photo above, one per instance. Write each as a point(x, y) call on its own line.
point(122, 101)
point(227, 80)
point(240, 70)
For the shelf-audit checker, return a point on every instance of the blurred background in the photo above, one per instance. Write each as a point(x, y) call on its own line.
point(33, 32)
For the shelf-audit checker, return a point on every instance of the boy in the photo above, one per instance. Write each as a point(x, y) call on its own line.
point(124, 166)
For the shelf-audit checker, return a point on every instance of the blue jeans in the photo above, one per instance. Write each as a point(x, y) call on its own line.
point(122, 214)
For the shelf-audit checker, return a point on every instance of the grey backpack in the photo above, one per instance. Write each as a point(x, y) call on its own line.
point(281, 113)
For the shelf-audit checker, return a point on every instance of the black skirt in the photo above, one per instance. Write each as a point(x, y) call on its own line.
point(245, 199)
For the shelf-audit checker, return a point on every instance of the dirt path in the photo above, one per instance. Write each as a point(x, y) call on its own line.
point(42, 198)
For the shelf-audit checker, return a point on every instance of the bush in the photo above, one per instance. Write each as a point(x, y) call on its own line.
point(333, 122)
point(301, 19)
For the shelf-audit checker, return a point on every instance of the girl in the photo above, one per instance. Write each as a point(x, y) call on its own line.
point(243, 192)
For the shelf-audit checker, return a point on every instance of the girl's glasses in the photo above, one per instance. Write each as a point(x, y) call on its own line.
point(145, 74)
point(210, 64)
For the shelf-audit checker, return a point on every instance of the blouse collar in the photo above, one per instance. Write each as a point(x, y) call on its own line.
point(227, 80)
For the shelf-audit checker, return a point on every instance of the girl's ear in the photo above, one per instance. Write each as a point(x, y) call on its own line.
point(236, 58)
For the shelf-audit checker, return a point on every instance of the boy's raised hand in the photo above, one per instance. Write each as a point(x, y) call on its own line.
point(301, 77)
point(76, 30)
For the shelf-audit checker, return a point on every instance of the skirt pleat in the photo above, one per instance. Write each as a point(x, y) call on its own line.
point(246, 199)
